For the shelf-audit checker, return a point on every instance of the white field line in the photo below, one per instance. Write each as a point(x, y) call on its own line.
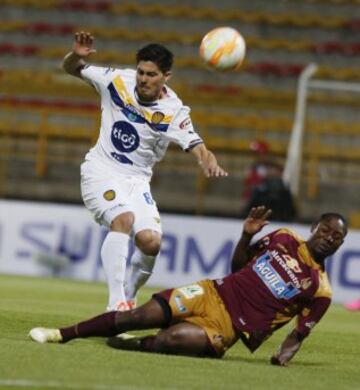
point(28, 383)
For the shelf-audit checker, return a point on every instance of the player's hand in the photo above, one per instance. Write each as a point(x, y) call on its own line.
point(256, 219)
point(211, 168)
point(83, 44)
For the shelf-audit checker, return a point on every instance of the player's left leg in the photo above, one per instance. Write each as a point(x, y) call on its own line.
point(148, 316)
point(142, 262)
point(184, 338)
point(147, 231)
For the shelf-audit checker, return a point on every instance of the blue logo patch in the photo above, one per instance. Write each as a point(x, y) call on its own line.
point(124, 137)
point(273, 281)
point(179, 304)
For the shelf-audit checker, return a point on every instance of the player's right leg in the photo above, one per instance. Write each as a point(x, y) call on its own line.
point(106, 195)
point(184, 338)
point(150, 315)
point(114, 252)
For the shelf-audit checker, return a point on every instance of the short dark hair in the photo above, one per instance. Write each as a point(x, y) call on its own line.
point(329, 216)
point(158, 54)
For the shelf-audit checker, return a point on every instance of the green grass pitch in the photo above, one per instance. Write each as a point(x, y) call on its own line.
point(329, 359)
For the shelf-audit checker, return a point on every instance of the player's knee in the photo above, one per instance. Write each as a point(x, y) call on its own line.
point(123, 223)
point(149, 242)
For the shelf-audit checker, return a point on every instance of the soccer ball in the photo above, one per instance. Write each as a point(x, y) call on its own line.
point(223, 48)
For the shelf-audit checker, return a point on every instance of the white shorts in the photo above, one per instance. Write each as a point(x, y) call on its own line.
point(107, 194)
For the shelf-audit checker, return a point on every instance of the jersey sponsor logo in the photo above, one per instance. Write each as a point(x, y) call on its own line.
point(109, 195)
point(132, 115)
point(124, 137)
point(292, 263)
point(191, 291)
point(179, 304)
point(157, 117)
point(185, 123)
point(134, 110)
point(280, 260)
point(273, 281)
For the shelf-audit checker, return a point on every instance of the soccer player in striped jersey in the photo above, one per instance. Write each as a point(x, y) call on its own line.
point(278, 278)
point(140, 116)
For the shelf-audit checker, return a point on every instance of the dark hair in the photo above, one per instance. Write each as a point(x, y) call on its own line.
point(158, 54)
point(329, 216)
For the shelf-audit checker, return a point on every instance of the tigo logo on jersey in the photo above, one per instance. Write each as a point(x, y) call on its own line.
point(125, 137)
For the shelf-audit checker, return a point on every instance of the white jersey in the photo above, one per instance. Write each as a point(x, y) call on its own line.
point(134, 135)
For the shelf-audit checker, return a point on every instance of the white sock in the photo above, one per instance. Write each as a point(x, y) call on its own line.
point(140, 271)
point(114, 252)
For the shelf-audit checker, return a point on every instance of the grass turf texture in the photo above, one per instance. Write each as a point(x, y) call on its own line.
point(329, 359)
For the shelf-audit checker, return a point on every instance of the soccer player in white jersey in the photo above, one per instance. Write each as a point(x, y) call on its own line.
point(140, 116)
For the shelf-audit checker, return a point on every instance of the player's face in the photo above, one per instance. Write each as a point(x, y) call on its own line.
point(150, 81)
point(327, 236)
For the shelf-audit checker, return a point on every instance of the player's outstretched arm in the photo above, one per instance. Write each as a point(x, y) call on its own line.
point(287, 349)
point(82, 48)
point(253, 224)
point(207, 161)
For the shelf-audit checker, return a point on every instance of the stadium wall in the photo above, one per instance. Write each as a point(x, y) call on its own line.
point(52, 240)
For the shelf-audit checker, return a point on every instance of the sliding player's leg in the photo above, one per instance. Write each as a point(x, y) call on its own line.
point(150, 315)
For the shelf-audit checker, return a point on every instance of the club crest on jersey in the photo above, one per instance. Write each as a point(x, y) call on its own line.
point(157, 117)
point(109, 195)
point(306, 283)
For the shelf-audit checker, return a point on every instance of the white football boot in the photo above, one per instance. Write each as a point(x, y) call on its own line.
point(45, 335)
